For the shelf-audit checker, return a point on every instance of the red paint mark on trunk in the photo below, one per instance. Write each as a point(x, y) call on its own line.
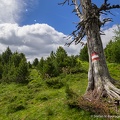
point(95, 56)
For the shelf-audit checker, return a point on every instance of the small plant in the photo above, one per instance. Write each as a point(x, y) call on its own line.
point(71, 97)
point(34, 84)
point(55, 83)
point(49, 111)
point(43, 97)
point(14, 107)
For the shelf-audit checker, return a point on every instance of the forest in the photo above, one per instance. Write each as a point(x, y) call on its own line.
point(14, 67)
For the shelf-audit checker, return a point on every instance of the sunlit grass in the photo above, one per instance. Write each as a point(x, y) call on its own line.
point(38, 101)
point(114, 69)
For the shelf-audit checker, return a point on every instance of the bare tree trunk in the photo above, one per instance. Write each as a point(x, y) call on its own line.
point(99, 80)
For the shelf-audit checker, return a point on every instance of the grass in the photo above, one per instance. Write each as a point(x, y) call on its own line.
point(39, 101)
point(114, 69)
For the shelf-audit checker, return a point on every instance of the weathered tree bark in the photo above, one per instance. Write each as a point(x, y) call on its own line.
point(99, 80)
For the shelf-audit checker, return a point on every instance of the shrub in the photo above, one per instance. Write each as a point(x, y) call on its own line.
point(43, 97)
point(71, 97)
point(112, 51)
point(77, 69)
point(49, 112)
point(14, 107)
point(22, 72)
point(54, 83)
point(84, 54)
point(34, 84)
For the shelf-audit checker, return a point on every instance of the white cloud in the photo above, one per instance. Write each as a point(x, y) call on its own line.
point(35, 40)
point(39, 40)
point(10, 10)
point(109, 34)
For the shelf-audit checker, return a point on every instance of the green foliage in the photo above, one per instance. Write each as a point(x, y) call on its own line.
point(13, 67)
point(45, 95)
point(16, 58)
point(1, 70)
point(9, 73)
point(114, 69)
point(55, 83)
point(37, 100)
point(61, 56)
point(71, 97)
point(49, 68)
point(49, 111)
point(84, 54)
point(59, 63)
point(41, 65)
point(35, 62)
point(29, 65)
point(22, 72)
point(112, 50)
point(14, 107)
point(6, 56)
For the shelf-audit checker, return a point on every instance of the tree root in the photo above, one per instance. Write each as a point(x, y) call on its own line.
point(108, 90)
point(112, 91)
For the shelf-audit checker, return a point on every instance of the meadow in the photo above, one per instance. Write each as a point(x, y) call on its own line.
point(45, 99)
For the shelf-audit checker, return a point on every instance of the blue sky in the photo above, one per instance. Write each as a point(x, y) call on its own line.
point(61, 17)
point(57, 16)
point(36, 27)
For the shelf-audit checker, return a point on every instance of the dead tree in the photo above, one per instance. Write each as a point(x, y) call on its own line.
point(100, 83)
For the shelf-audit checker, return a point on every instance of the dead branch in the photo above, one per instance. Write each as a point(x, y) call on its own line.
point(106, 6)
point(113, 7)
point(94, 14)
point(77, 9)
point(106, 20)
point(65, 1)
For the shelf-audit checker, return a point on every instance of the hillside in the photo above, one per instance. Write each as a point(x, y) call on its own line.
point(46, 99)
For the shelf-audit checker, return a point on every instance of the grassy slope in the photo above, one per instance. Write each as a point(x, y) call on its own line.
point(37, 101)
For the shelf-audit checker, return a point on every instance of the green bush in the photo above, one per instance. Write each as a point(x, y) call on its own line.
point(13, 67)
point(14, 107)
point(84, 54)
point(49, 111)
point(34, 84)
point(43, 97)
point(112, 51)
point(71, 97)
point(76, 70)
point(22, 72)
point(54, 83)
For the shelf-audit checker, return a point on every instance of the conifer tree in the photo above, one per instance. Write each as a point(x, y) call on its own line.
point(84, 53)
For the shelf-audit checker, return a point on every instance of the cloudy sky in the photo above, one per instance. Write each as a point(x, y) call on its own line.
point(36, 27)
